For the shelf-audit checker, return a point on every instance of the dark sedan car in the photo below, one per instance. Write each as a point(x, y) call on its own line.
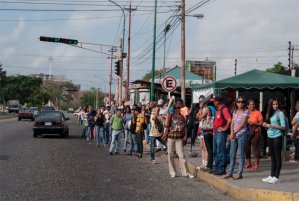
point(50, 122)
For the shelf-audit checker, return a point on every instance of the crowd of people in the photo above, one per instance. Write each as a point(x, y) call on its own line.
point(225, 129)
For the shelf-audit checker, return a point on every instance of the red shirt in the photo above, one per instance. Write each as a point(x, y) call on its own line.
point(220, 120)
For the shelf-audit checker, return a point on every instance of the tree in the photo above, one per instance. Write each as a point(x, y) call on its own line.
point(58, 91)
point(277, 68)
point(21, 87)
point(148, 75)
point(89, 98)
point(2, 84)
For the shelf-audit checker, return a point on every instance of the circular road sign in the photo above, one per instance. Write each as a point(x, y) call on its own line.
point(169, 83)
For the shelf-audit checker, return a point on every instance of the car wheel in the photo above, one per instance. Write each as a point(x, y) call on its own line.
point(67, 132)
point(34, 134)
point(62, 135)
point(19, 119)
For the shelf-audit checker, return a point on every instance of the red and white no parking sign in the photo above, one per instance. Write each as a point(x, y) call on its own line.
point(169, 83)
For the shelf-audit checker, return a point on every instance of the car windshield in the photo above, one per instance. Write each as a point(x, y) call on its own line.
point(50, 115)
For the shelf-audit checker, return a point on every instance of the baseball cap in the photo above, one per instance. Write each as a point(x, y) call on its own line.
point(217, 98)
point(207, 99)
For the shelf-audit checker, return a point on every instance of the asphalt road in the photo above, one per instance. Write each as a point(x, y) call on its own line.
point(53, 168)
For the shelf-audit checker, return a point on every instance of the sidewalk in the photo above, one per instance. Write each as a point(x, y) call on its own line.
point(251, 186)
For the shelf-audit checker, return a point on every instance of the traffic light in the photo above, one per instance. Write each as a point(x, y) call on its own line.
point(68, 41)
point(117, 68)
point(49, 39)
point(58, 40)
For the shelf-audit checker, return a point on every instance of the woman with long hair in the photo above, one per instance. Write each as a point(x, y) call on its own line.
point(238, 138)
point(255, 121)
point(275, 125)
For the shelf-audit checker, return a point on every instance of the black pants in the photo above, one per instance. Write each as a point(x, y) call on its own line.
point(275, 146)
point(296, 144)
point(209, 145)
point(194, 133)
point(139, 142)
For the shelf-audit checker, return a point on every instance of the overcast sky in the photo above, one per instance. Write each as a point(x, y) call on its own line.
point(253, 31)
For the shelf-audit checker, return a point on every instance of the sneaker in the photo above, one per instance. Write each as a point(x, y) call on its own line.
point(154, 162)
point(111, 153)
point(191, 176)
point(172, 176)
point(98, 145)
point(116, 153)
point(274, 180)
point(267, 179)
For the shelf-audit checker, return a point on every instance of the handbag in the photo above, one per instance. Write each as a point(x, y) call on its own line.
point(207, 123)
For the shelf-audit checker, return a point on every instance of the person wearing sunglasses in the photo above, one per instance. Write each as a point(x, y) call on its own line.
point(238, 138)
point(176, 137)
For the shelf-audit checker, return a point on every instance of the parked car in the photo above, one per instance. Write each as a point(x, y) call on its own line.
point(50, 122)
point(70, 110)
point(25, 113)
point(34, 110)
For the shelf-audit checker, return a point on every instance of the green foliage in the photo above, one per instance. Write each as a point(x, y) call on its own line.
point(148, 75)
point(21, 87)
point(58, 92)
point(277, 68)
point(89, 98)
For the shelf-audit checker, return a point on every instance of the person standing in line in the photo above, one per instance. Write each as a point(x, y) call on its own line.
point(156, 131)
point(209, 116)
point(117, 129)
point(295, 133)
point(255, 121)
point(99, 127)
point(177, 137)
point(220, 129)
point(140, 121)
point(132, 128)
point(84, 122)
point(238, 138)
point(107, 113)
point(90, 120)
point(127, 123)
point(275, 125)
point(201, 115)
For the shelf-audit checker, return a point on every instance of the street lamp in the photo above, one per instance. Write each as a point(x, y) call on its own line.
point(167, 28)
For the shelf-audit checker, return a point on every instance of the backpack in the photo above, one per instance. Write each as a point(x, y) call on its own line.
point(287, 128)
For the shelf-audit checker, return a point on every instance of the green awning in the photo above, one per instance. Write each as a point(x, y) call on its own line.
point(254, 79)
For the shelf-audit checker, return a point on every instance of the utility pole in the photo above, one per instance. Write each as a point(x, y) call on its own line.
point(152, 94)
point(110, 76)
point(236, 63)
point(183, 52)
point(290, 49)
point(120, 57)
point(129, 53)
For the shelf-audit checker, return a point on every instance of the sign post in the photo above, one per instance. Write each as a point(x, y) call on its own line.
point(169, 84)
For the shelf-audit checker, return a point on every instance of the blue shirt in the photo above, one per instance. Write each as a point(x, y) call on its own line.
point(278, 120)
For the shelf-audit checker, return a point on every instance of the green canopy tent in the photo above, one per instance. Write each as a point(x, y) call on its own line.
point(252, 80)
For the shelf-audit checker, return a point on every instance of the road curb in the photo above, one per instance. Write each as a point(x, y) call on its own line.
point(8, 117)
point(235, 191)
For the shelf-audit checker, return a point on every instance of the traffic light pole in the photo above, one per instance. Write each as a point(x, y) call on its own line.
point(120, 57)
point(110, 76)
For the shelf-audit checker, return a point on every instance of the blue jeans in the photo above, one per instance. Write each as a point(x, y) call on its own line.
point(219, 151)
point(83, 134)
point(106, 132)
point(99, 134)
point(147, 132)
point(235, 145)
point(152, 146)
point(133, 142)
point(115, 139)
point(126, 137)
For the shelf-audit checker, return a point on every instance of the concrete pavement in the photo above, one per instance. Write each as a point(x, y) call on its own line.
point(251, 186)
